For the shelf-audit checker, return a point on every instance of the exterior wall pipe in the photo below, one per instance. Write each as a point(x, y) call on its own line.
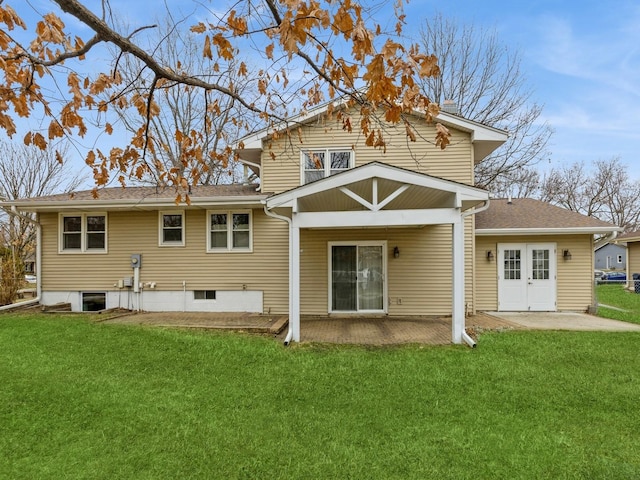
point(465, 336)
point(259, 167)
point(268, 213)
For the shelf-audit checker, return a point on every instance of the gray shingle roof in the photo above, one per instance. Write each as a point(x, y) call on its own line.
point(527, 213)
point(629, 237)
point(150, 193)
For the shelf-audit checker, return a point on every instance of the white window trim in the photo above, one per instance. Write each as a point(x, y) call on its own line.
point(619, 258)
point(327, 166)
point(161, 242)
point(229, 248)
point(83, 234)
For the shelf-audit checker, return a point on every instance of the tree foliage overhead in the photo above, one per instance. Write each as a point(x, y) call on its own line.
point(307, 52)
point(184, 109)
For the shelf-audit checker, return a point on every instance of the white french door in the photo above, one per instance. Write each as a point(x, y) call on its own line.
point(357, 277)
point(527, 277)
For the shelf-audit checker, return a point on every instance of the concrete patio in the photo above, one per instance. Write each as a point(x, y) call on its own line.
point(325, 329)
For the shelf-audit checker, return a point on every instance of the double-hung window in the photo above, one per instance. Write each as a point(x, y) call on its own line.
point(171, 228)
point(320, 163)
point(83, 232)
point(229, 231)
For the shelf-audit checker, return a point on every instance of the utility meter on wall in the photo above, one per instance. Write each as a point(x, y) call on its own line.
point(136, 260)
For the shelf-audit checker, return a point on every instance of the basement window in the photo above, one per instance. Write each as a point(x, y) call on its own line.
point(94, 301)
point(204, 294)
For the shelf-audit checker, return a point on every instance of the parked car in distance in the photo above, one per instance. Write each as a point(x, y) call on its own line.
point(613, 277)
point(597, 274)
point(30, 278)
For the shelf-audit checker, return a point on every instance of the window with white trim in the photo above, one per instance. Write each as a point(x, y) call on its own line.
point(321, 163)
point(83, 233)
point(619, 258)
point(229, 231)
point(171, 228)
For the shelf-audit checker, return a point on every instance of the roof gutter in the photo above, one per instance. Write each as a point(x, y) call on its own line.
point(14, 212)
point(105, 204)
point(545, 231)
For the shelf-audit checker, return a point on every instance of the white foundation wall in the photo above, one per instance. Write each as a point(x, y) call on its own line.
point(165, 301)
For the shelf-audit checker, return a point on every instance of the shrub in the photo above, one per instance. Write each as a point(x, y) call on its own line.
point(10, 280)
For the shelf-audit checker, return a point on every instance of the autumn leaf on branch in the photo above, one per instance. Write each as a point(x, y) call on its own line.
point(301, 63)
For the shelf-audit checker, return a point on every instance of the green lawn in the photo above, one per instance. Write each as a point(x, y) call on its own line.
point(85, 400)
point(626, 303)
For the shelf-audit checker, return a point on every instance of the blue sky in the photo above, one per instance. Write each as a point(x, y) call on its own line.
point(581, 59)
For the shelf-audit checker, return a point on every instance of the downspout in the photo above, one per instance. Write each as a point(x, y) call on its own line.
point(465, 336)
point(606, 239)
point(14, 211)
point(259, 167)
point(603, 241)
point(268, 213)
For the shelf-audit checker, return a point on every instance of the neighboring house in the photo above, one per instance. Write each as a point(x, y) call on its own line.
point(632, 242)
point(611, 256)
point(334, 228)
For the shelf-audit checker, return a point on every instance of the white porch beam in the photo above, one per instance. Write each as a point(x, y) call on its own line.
point(294, 284)
point(381, 218)
point(457, 307)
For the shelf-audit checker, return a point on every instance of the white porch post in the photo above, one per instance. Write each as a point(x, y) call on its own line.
point(457, 320)
point(294, 290)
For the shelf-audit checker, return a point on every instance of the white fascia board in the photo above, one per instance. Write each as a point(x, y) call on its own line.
point(479, 132)
point(132, 205)
point(254, 140)
point(544, 231)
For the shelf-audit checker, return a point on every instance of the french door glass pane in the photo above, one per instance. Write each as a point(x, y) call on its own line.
point(370, 278)
point(540, 264)
point(512, 266)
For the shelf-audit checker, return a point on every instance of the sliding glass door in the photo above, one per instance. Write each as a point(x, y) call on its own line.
point(357, 277)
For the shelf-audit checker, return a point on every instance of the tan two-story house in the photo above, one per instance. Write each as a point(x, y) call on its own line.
point(333, 227)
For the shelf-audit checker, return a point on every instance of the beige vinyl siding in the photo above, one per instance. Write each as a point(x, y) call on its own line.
point(265, 269)
point(486, 274)
point(574, 277)
point(454, 163)
point(419, 281)
point(633, 262)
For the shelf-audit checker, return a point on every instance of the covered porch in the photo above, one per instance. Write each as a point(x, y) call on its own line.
point(369, 198)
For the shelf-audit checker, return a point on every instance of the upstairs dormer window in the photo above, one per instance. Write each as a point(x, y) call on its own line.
point(320, 163)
